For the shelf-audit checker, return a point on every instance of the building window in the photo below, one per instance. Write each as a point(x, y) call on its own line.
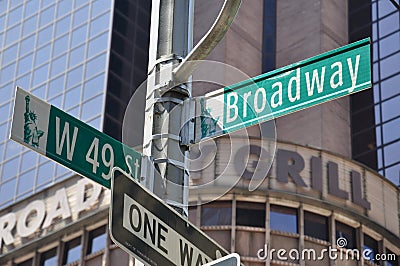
point(48, 258)
point(97, 240)
point(371, 245)
point(316, 226)
point(26, 263)
point(250, 214)
point(391, 261)
point(347, 232)
point(283, 219)
point(216, 213)
point(72, 251)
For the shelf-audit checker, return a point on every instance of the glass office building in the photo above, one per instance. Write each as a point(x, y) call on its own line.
point(376, 113)
point(63, 52)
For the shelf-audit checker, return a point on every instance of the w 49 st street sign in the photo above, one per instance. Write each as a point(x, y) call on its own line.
point(316, 80)
point(69, 141)
point(148, 229)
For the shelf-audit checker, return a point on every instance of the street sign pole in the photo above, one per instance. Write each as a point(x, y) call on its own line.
point(171, 24)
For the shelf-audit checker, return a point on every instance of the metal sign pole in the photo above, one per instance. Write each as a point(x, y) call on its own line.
point(170, 41)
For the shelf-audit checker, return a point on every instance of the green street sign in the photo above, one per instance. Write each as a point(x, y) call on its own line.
point(313, 81)
point(69, 141)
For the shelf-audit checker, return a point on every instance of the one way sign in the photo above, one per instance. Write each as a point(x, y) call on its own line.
point(151, 231)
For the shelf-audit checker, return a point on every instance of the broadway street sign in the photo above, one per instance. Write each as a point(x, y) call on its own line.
point(151, 231)
point(69, 141)
point(313, 81)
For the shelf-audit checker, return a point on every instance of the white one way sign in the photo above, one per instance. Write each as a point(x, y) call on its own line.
point(151, 231)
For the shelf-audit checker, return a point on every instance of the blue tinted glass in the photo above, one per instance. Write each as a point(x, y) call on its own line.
point(391, 131)
point(23, 81)
point(216, 216)
point(25, 182)
point(74, 77)
point(392, 153)
point(45, 35)
point(390, 108)
point(93, 87)
point(57, 101)
point(28, 161)
point(96, 65)
point(64, 7)
point(72, 97)
point(100, 6)
point(46, 3)
point(12, 34)
point(97, 240)
point(389, 44)
point(283, 220)
point(2, 21)
point(63, 25)
point(40, 75)
point(390, 87)
point(60, 45)
point(61, 170)
point(96, 123)
point(10, 54)
point(47, 16)
point(98, 44)
point(7, 190)
point(14, 16)
point(45, 173)
point(31, 7)
point(4, 112)
point(42, 55)
point(40, 91)
point(92, 108)
point(6, 93)
point(393, 174)
point(27, 45)
point(76, 56)
point(56, 86)
point(3, 127)
point(29, 25)
point(13, 149)
point(81, 16)
point(58, 65)
point(73, 254)
point(99, 24)
point(390, 65)
point(389, 24)
point(10, 168)
point(385, 7)
point(7, 73)
point(79, 35)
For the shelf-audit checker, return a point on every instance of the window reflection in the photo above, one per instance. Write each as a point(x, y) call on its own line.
point(216, 213)
point(7, 190)
point(371, 245)
point(48, 258)
point(250, 214)
point(392, 153)
point(316, 226)
point(78, 35)
point(62, 25)
point(99, 24)
point(24, 65)
point(25, 182)
point(348, 232)
point(97, 240)
point(12, 34)
point(45, 35)
point(47, 16)
point(72, 251)
point(283, 219)
point(81, 15)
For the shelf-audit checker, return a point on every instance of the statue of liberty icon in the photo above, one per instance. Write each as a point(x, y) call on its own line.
point(32, 134)
point(208, 124)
